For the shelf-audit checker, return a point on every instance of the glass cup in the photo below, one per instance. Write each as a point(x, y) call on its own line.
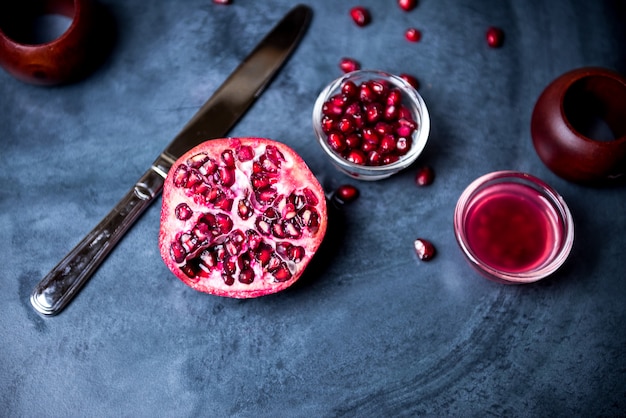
point(410, 98)
point(512, 227)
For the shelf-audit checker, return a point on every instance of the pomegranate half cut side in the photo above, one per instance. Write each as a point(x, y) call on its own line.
point(241, 217)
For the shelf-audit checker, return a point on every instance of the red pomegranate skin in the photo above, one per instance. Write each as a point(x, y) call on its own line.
point(215, 232)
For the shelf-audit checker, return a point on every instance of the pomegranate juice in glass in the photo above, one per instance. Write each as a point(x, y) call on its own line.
point(512, 227)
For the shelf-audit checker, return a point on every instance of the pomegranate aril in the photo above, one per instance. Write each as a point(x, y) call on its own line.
point(356, 157)
point(309, 196)
point(177, 252)
point(296, 253)
point(495, 37)
point(347, 65)
point(424, 176)
point(366, 94)
point(346, 125)
point(353, 141)
point(403, 145)
point(370, 135)
point(374, 112)
point(197, 160)
point(228, 158)
point(208, 168)
point(281, 273)
point(424, 249)
point(245, 153)
point(391, 112)
point(336, 141)
point(346, 193)
point(407, 5)
point(229, 280)
point(394, 98)
point(411, 80)
point(244, 209)
point(246, 276)
point(225, 176)
point(368, 146)
point(266, 196)
point(374, 158)
point(328, 124)
point(413, 35)
point(222, 1)
point(360, 15)
point(349, 88)
point(387, 144)
point(181, 175)
point(183, 211)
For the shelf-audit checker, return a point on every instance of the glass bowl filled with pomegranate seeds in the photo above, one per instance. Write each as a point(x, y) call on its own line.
point(371, 124)
point(512, 227)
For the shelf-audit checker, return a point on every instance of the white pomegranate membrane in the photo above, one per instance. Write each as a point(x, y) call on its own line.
point(513, 227)
point(241, 217)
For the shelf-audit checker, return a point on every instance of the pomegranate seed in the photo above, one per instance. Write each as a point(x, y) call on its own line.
point(348, 65)
point(347, 193)
point(387, 144)
point(353, 141)
point(374, 158)
point(407, 5)
point(424, 176)
point(424, 249)
point(360, 15)
point(336, 141)
point(413, 35)
point(222, 1)
point(355, 156)
point(349, 89)
point(411, 80)
point(346, 125)
point(183, 211)
point(495, 37)
point(403, 145)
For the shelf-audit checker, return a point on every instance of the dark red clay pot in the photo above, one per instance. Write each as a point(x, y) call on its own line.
point(561, 119)
point(62, 60)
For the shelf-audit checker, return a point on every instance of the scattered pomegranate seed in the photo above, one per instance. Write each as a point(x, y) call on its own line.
point(360, 15)
point(348, 65)
point(347, 193)
point(413, 35)
point(222, 1)
point(495, 37)
point(407, 5)
point(424, 176)
point(411, 80)
point(424, 249)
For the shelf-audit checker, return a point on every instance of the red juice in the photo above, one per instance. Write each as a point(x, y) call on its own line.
point(510, 227)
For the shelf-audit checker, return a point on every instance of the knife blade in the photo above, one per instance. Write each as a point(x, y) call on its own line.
point(214, 119)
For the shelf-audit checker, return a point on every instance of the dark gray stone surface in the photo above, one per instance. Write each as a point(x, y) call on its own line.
point(372, 331)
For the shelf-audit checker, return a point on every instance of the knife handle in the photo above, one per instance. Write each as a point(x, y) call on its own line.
point(64, 281)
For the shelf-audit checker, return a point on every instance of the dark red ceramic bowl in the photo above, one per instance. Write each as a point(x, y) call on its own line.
point(61, 60)
point(578, 126)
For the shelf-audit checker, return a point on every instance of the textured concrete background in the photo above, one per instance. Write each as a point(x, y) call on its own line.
point(371, 331)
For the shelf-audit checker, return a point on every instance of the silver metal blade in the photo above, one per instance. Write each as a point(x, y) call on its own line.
point(218, 115)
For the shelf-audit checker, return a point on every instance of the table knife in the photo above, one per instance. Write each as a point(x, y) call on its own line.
point(214, 119)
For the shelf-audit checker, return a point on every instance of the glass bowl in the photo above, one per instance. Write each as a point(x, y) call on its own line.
point(512, 227)
point(411, 100)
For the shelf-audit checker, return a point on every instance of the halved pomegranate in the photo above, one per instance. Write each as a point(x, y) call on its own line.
point(241, 217)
